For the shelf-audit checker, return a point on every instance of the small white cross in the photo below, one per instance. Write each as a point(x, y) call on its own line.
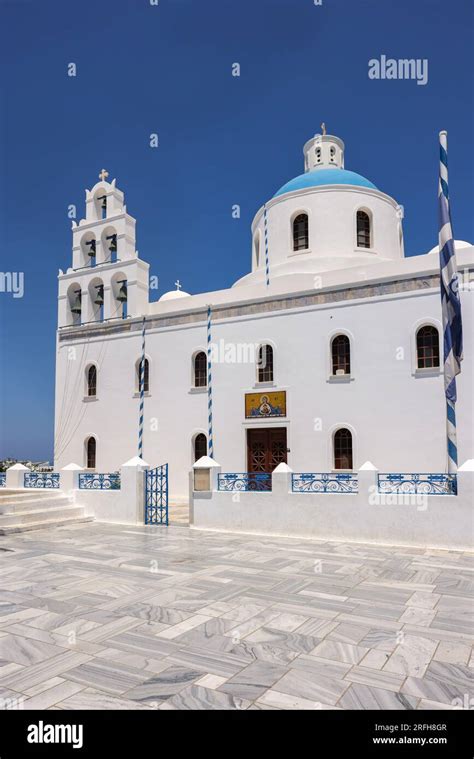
point(178, 284)
point(103, 175)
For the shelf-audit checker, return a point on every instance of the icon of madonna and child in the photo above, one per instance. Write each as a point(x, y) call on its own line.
point(265, 408)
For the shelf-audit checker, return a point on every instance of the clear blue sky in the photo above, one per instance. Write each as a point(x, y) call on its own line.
point(223, 140)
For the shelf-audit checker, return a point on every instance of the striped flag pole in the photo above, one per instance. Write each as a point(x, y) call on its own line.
point(450, 305)
point(265, 228)
point(141, 379)
point(210, 445)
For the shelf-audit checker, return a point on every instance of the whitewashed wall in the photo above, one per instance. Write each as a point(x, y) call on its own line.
point(396, 414)
point(434, 521)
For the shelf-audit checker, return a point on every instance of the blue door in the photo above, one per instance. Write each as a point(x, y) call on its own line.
point(156, 495)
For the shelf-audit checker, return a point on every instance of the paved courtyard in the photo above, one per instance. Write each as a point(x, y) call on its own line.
point(112, 617)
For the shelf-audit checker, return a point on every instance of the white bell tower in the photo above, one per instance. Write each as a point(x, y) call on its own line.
point(107, 280)
point(323, 151)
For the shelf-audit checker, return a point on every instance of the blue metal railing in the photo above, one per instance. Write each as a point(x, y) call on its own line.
point(93, 481)
point(41, 480)
point(324, 482)
point(244, 481)
point(3, 479)
point(419, 484)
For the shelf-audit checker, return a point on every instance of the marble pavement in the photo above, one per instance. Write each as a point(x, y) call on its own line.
point(97, 616)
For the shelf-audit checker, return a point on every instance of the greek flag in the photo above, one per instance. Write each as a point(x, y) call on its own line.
point(450, 303)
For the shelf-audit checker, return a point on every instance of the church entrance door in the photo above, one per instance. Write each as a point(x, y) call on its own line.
point(266, 448)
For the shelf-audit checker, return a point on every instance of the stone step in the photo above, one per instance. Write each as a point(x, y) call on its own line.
point(36, 509)
point(8, 494)
point(43, 525)
point(46, 515)
point(34, 504)
point(178, 513)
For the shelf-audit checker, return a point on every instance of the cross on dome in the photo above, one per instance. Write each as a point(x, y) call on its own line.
point(103, 175)
point(178, 285)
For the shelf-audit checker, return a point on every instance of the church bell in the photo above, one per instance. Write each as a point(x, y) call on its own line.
point(113, 243)
point(122, 294)
point(92, 248)
point(99, 298)
point(76, 307)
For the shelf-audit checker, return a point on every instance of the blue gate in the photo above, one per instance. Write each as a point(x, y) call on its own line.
point(156, 495)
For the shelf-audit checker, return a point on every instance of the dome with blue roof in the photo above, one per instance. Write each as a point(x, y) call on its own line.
point(322, 177)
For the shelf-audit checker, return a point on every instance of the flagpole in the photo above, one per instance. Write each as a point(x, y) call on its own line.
point(450, 305)
point(210, 445)
point(141, 380)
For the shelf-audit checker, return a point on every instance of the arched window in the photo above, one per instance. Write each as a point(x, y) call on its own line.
point(300, 232)
point(91, 453)
point(146, 375)
point(92, 381)
point(427, 347)
point(200, 369)
point(363, 230)
point(341, 355)
point(265, 363)
point(343, 449)
point(200, 446)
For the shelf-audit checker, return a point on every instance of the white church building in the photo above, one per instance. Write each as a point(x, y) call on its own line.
point(326, 355)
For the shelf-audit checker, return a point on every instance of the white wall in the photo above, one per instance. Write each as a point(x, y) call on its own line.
point(332, 230)
point(125, 505)
point(434, 521)
point(397, 415)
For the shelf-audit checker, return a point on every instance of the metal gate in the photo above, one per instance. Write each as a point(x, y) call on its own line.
point(156, 495)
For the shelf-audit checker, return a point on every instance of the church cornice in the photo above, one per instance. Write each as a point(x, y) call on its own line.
point(308, 299)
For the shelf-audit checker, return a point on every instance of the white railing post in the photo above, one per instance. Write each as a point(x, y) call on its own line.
point(205, 472)
point(132, 489)
point(368, 482)
point(16, 476)
point(281, 480)
point(203, 479)
point(465, 481)
point(69, 477)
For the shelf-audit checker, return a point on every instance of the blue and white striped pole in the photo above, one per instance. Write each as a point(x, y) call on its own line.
point(450, 305)
point(265, 231)
point(141, 379)
point(210, 445)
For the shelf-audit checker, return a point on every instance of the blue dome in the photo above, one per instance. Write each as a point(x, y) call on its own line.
point(322, 177)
